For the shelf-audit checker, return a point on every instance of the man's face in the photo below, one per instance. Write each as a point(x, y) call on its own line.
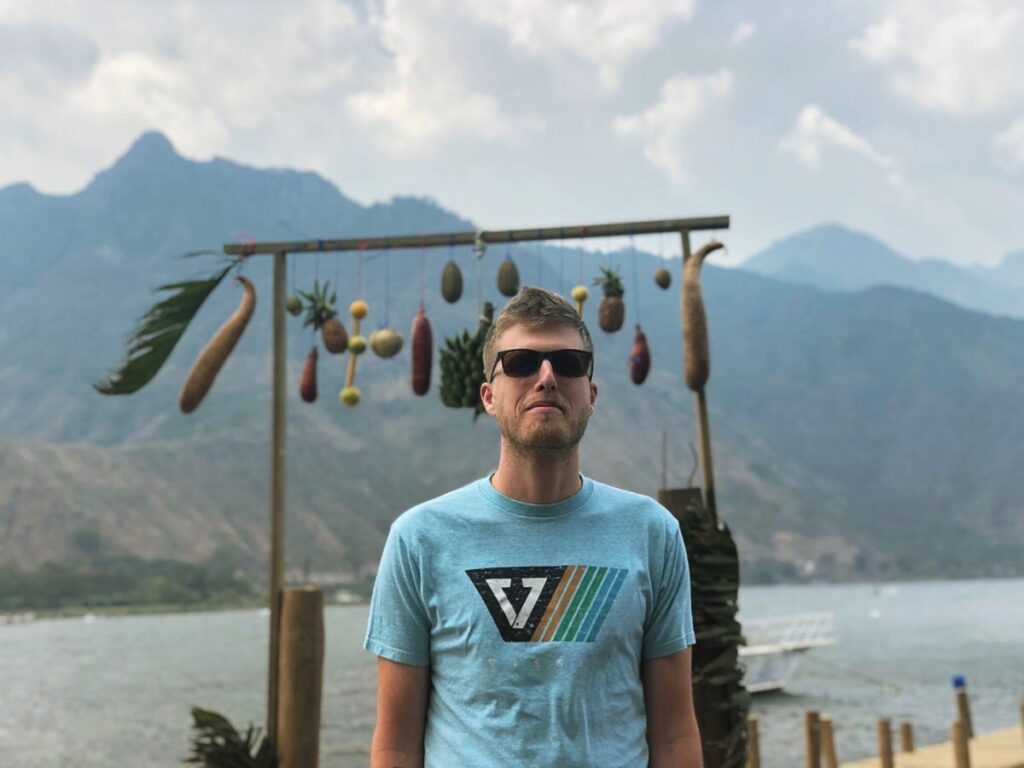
point(542, 412)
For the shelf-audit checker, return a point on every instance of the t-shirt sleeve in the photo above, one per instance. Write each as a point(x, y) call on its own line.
point(398, 627)
point(670, 626)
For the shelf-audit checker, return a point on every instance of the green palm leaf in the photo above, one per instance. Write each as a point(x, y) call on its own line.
point(159, 330)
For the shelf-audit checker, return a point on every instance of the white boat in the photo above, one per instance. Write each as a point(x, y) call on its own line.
point(776, 645)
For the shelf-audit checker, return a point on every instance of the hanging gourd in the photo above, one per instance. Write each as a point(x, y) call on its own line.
point(307, 384)
point(322, 315)
point(451, 282)
point(213, 356)
point(386, 342)
point(639, 358)
point(294, 305)
point(612, 311)
point(422, 352)
point(349, 395)
point(579, 295)
point(663, 278)
point(508, 277)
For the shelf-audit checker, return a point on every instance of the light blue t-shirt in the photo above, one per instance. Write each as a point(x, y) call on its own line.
point(534, 620)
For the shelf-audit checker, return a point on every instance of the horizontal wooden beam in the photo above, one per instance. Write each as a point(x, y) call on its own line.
point(436, 240)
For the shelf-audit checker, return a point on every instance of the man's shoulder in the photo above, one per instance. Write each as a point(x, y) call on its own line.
point(640, 506)
point(428, 515)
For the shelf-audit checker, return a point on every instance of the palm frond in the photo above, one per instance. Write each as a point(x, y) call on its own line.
point(158, 331)
point(218, 744)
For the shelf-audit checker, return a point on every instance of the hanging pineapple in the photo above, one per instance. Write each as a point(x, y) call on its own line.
point(663, 278)
point(349, 396)
point(321, 314)
point(462, 369)
point(612, 311)
point(508, 277)
point(579, 295)
point(451, 282)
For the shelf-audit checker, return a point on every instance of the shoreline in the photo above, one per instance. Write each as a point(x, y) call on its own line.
point(81, 611)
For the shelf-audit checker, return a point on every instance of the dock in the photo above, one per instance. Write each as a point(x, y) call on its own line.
point(997, 749)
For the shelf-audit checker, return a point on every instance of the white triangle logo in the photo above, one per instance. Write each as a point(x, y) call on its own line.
point(498, 587)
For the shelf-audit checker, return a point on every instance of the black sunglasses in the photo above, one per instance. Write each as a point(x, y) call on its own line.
point(567, 363)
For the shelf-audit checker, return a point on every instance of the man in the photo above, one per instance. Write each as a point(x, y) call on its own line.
point(535, 618)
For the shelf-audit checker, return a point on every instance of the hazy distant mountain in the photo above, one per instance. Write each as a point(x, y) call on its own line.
point(833, 257)
point(866, 433)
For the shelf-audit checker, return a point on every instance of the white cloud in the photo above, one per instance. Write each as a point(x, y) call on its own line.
point(423, 96)
point(743, 32)
point(607, 34)
point(958, 56)
point(661, 128)
point(815, 130)
point(1010, 143)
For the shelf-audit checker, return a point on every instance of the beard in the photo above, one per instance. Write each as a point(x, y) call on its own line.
point(551, 435)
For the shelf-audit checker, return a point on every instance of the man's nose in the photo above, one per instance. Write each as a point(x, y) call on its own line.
point(546, 373)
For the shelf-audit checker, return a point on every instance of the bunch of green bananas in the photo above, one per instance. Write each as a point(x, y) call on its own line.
point(462, 369)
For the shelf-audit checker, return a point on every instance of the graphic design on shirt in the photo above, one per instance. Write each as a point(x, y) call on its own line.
point(548, 603)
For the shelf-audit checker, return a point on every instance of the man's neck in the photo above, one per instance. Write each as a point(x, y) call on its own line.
point(540, 478)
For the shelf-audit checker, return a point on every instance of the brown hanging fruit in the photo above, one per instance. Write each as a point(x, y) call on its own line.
point(451, 282)
point(307, 385)
point(334, 335)
point(508, 277)
point(422, 352)
point(639, 358)
point(697, 364)
point(215, 353)
point(612, 311)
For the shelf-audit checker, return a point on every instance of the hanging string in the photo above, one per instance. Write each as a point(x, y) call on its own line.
point(583, 232)
point(636, 285)
point(359, 272)
point(561, 261)
point(337, 272)
point(316, 279)
point(479, 248)
point(387, 288)
point(423, 268)
point(540, 261)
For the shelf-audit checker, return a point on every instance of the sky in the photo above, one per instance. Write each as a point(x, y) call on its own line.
point(900, 118)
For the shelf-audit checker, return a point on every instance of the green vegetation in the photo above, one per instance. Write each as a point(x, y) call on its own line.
point(123, 580)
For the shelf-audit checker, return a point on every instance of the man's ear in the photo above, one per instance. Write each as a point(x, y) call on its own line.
point(487, 397)
point(593, 395)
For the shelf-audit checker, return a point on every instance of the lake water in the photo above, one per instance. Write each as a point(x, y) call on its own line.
point(117, 691)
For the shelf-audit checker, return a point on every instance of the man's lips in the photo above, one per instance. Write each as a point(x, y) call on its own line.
point(544, 405)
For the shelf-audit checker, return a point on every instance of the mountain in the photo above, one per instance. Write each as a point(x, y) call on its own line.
point(859, 434)
point(833, 257)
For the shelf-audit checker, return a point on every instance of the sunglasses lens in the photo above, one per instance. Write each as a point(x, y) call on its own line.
point(569, 363)
point(519, 363)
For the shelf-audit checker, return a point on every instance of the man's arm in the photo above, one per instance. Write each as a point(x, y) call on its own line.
point(402, 691)
point(673, 740)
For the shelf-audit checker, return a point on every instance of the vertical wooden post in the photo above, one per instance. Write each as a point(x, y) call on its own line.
point(703, 425)
point(753, 743)
point(277, 490)
point(828, 743)
point(812, 740)
point(884, 729)
point(906, 736)
point(301, 678)
point(963, 705)
point(958, 737)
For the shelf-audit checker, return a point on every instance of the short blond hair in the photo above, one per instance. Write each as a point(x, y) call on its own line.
point(535, 308)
